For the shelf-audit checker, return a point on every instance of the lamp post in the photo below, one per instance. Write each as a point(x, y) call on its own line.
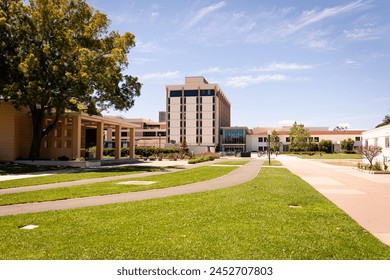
point(269, 147)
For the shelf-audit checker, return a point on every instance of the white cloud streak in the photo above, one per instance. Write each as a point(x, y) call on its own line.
point(282, 66)
point(158, 76)
point(204, 12)
point(244, 81)
point(310, 17)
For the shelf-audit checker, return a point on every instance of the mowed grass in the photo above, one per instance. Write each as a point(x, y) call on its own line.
point(329, 156)
point(248, 221)
point(105, 188)
point(74, 176)
point(273, 163)
point(233, 162)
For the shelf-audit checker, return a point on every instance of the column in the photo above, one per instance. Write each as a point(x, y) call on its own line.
point(132, 143)
point(118, 141)
point(99, 140)
point(76, 136)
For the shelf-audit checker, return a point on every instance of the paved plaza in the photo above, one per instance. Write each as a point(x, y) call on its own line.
point(364, 197)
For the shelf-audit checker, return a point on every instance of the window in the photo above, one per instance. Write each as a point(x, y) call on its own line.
point(190, 93)
point(387, 142)
point(206, 92)
point(288, 140)
point(261, 140)
point(316, 139)
point(358, 139)
point(175, 93)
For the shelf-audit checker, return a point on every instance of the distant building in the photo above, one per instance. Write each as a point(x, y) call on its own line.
point(379, 137)
point(147, 133)
point(162, 116)
point(258, 141)
point(196, 111)
point(234, 139)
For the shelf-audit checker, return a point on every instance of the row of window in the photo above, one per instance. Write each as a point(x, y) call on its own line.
point(202, 92)
point(311, 139)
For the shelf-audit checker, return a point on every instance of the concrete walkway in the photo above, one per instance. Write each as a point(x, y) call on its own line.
point(364, 197)
point(241, 175)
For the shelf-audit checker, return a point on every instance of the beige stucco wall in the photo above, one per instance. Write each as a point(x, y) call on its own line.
point(16, 132)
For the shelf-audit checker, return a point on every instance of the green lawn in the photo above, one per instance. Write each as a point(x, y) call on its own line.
point(66, 177)
point(248, 221)
point(273, 163)
point(104, 188)
point(233, 162)
point(329, 156)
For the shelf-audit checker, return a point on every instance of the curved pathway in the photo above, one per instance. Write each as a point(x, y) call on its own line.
point(241, 175)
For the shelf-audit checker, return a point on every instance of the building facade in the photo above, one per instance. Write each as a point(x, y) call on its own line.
point(147, 133)
point(258, 141)
point(196, 111)
point(234, 139)
point(73, 135)
point(379, 137)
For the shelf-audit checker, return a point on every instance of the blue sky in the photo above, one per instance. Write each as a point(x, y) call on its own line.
point(320, 63)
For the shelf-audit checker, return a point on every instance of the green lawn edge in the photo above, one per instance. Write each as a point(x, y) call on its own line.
point(190, 176)
point(249, 221)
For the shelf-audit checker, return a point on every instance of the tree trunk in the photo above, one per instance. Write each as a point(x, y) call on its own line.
point(37, 125)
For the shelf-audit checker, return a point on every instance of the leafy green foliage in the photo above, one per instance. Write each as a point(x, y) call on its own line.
point(325, 146)
point(275, 141)
point(347, 145)
point(299, 137)
point(58, 54)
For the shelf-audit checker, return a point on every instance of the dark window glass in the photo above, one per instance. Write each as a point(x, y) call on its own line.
point(207, 92)
point(175, 93)
point(190, 93)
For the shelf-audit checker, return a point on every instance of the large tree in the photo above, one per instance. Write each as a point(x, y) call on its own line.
point(59, 53)
point(299, 138)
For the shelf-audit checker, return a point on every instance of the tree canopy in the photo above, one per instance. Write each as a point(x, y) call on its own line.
point(385, 121)
point(299, 138)
point(56, 54)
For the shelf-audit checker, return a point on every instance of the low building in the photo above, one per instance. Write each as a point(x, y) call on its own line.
point(74, 133)
point(234, 139)
point(148, 133)
point(379, 137)
point(258, 141)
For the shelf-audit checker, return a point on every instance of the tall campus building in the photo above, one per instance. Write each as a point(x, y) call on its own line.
point(196, 111)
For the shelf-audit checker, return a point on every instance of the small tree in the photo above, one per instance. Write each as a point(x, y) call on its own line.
point(347, 145)
point(299, 136)
point(370, 153)
point(325, 146)
point(275, 143)
point(183, 149)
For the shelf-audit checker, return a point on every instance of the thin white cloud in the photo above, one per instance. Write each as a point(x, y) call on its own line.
point(216, 69)
point(286, 122)
point(204, 12)
point(282, 66)
point(147, 47)
point(244, 81)
point(158, 76)
point(367, 33)
point(308, 18)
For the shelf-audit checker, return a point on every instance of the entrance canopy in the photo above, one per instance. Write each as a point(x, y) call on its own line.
point(76, 132)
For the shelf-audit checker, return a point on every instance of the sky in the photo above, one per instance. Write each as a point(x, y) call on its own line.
point(319, 63)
